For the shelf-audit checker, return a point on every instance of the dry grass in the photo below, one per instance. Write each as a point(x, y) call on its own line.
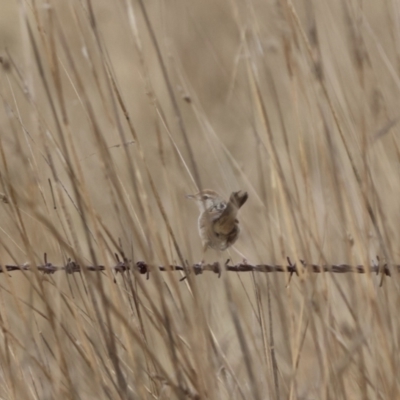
point(113, 111)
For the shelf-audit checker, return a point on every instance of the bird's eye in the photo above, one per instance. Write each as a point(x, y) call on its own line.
point(205, 197)
point(221, 206)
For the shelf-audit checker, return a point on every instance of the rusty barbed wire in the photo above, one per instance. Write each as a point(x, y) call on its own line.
point(123, 265)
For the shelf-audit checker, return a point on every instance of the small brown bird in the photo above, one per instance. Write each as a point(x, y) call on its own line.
point(218, 225)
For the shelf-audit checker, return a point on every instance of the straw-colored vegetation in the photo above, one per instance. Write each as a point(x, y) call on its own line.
point(112, 111)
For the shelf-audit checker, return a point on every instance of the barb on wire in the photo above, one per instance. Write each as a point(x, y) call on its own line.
point(141, 267)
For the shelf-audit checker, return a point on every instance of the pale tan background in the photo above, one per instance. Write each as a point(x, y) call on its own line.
point(202, 45)
point(208, 59)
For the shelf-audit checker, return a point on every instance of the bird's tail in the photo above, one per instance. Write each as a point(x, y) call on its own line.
point(238, 198)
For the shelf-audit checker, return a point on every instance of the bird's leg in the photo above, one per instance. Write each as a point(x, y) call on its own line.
point(244, 258)
point(205, 247)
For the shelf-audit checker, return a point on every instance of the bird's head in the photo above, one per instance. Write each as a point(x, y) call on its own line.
point(207, 199)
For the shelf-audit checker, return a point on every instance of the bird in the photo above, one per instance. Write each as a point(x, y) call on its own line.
point(218, 224)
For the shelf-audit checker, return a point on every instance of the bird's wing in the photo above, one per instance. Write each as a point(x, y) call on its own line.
point(226, 221)
point(215, 214)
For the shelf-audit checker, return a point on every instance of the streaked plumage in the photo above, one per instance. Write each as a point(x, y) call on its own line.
point(218, 224)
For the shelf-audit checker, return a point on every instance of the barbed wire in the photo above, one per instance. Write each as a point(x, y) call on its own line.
point(123, 265)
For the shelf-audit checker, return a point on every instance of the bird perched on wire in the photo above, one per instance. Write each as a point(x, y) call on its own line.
point(218, 224)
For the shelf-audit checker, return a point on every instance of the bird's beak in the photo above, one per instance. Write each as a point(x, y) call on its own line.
point(191, 196)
